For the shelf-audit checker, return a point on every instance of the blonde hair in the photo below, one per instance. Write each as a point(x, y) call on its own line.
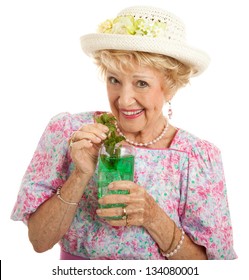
point(176, 74)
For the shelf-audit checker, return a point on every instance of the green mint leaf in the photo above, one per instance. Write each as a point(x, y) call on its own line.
point(112, 137)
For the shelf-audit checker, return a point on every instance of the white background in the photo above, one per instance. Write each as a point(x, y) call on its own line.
point(43, 72)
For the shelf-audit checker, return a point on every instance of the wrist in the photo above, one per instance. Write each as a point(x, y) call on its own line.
point(80, 178)
point(175, 245)
point(156, 218)
point(72, 191)
point(162, 229)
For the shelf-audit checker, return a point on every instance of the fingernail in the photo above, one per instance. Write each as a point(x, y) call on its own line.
point(100, 201)
point(103, 135)
point(111, 186)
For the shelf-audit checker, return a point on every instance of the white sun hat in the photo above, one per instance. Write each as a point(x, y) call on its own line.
point(146, 29)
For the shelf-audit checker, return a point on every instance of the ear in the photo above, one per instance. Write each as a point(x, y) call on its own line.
point(169, 95)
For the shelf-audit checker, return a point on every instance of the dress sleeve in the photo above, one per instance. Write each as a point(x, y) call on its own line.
point(47, 170)
point(205, 215)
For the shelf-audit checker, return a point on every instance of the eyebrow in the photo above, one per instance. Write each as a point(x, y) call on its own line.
point(136, 76)
point(111, 74)
point(142, 77)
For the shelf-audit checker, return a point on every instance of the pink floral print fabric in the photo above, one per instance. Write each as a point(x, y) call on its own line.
point(186, 180)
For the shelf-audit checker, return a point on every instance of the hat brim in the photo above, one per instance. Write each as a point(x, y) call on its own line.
point(195, 58)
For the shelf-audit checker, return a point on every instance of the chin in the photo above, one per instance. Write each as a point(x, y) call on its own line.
point(131, 127)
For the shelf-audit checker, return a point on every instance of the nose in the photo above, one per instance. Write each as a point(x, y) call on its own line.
point(126, 97)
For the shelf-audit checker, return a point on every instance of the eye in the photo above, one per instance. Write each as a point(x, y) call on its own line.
point(113, 80)
point(142, 84)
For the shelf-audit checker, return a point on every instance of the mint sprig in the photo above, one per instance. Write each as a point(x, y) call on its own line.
point(112, 137)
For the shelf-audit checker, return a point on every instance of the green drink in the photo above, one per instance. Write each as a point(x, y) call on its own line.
point(112, 169)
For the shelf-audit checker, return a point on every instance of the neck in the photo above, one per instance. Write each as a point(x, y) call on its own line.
point(143, 140)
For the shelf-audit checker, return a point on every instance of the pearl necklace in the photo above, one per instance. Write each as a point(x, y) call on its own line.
point(144, 144)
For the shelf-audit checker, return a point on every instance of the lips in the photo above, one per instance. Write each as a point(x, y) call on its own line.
point(131, 114)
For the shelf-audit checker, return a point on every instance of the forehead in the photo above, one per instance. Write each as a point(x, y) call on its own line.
point(132, 68)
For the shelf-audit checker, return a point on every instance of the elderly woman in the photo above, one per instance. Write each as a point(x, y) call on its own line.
point(176, 208)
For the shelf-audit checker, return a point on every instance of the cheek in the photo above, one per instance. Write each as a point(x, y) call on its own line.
point(156, 101)
point(110, 95)
point(158, 106)
point(112, 101)
point(161, 96)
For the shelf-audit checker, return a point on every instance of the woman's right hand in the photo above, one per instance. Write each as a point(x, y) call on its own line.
point(85, 145)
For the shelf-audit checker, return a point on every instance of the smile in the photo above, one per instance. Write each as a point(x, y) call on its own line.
point(132, 113)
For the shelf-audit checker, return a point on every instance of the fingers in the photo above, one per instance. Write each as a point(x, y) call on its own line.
point(92, 133)
point(136, 193)
point(82, 144)
point(95, 128)
point(110, 212)
point(115, 199)
point(138, 209)
point(124, 185)
point(117, 211)
point(90, 137)
point(116, 216)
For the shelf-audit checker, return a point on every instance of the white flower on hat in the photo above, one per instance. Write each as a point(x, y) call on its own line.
point(150, 28)
point(105, 27)
point(130, 26)
point(124, 25)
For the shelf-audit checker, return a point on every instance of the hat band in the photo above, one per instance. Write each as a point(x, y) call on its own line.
point(128, 25)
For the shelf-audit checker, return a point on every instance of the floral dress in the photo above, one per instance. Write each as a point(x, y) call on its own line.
point(186, 180)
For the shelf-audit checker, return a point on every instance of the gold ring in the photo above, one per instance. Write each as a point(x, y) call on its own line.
point(124, 212)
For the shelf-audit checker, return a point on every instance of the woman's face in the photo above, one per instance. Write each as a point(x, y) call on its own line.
point(136, 98)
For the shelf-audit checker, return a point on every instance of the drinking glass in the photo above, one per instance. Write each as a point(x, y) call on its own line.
point(114, 168)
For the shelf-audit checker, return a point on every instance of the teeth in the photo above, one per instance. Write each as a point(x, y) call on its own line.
point(132, 113)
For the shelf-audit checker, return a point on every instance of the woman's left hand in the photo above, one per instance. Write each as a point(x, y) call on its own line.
point(140, 207)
